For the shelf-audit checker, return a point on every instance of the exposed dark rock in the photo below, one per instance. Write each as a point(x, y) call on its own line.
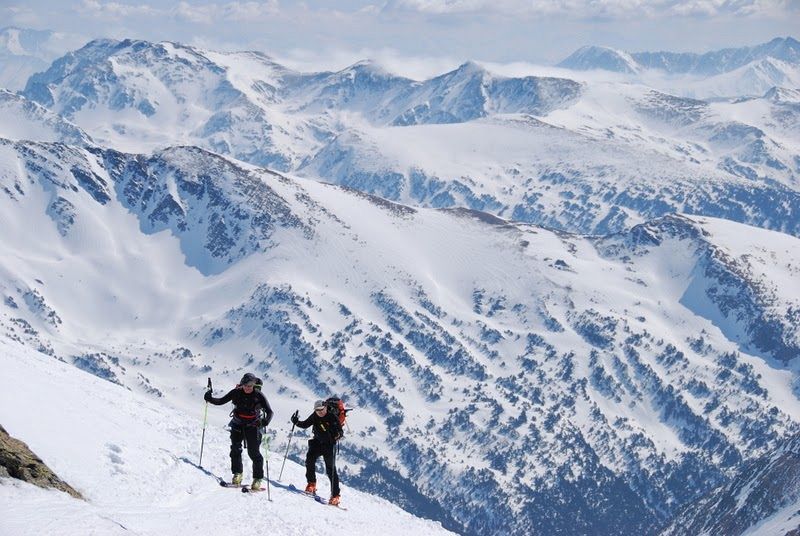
point(17, 461)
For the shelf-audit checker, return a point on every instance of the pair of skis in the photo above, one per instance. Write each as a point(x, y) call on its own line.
point(316, 497)
point(245, 489)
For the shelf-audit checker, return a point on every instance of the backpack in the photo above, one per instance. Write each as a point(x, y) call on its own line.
point(336, 407)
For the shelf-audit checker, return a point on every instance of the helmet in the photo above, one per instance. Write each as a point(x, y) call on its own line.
point(248, 378)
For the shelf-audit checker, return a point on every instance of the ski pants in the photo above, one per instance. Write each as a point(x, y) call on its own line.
point(328, 453)
point(252, 438)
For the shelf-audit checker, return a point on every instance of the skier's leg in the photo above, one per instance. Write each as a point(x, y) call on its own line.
point(311, 461)
point(254, 451)
point(330, 468)
point(236, 450)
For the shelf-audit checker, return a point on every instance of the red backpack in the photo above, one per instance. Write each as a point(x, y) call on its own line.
point(336, 406)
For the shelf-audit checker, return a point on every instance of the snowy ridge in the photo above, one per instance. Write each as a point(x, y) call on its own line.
point(575, 172)
point(570, 384)
point(22, 119)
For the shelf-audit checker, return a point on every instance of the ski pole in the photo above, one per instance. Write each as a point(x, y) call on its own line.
point(205, 422)
point(287, 450)
point(266, 460)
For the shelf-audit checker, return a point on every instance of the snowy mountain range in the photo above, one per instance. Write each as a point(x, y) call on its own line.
point(785, 49)
point(558, 306)
point(721, 73)
point(577, 156)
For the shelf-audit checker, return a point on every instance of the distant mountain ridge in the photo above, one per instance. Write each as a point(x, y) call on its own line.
point(532, 139)
point(785, 49)
point(22, 53)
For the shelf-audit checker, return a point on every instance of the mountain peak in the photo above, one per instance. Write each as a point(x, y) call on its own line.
point(470, 67)
point(597, 57)
point(782, 95)
point(368, 67)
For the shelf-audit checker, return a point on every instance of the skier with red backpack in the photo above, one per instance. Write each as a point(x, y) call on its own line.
point(326, 422)
point(250, 416)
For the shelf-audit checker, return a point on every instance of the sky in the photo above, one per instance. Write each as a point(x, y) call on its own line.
point(415, 36)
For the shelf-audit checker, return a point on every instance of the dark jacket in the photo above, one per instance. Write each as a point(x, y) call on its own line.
point(327, 429)
point(245, 406)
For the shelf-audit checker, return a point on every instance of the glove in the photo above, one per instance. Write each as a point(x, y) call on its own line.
point(294, 419)
point(207, 396)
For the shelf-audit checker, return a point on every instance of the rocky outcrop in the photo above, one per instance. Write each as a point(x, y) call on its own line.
point(17, 461)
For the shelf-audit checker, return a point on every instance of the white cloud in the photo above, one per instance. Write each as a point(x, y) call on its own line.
point(249, 11)
point(232, 12)
point(115, 10)
point(20, 16)
point(594, 8)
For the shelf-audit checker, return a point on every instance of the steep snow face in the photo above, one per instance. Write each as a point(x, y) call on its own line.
point(763, 498)
point(135, 460)
point(567, 384)
point(22, 119)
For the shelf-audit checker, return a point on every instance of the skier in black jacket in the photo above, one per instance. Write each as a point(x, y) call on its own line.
point(251, 413)
point(327, 431)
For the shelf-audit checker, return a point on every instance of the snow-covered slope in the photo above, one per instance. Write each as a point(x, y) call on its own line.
point(764, 498)
point(135, 461)
point(507, 378)
point(609, 162)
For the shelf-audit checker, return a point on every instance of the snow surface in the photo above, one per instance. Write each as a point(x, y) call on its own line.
point(134, 460)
